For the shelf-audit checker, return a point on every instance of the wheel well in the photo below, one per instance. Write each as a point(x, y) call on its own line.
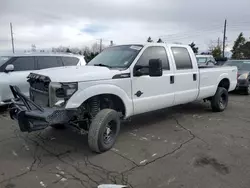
point(225, 83)
point(114, 101)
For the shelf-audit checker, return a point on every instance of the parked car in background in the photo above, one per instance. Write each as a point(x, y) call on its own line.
point(243, 83)
point(14, 69)
point(205, 60)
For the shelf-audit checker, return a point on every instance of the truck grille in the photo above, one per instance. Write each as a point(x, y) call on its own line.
point(39, 89)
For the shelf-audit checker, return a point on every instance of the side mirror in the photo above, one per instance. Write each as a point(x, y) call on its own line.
point(9, 68)
point(155, 67)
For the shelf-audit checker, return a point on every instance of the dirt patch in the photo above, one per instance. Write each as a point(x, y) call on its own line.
point(219, 167)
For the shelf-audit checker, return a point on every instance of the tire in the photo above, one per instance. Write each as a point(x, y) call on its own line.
point(219, 100)
point(58, 126)
point(99, 137)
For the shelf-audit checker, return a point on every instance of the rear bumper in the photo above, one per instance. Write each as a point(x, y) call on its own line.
point(32, 117)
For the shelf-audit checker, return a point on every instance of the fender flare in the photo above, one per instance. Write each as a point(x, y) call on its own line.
point(221, 77)
point(81, 96)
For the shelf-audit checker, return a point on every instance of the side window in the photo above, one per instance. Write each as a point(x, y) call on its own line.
point(45, 62)
point(182, 58)
point(23, 63)
point(154, 52)
point(70, 61)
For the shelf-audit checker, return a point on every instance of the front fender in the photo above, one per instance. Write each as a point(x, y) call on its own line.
point(81, 96)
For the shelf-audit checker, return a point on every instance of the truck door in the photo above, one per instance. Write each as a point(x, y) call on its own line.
point(151, 93)
point(186, 76)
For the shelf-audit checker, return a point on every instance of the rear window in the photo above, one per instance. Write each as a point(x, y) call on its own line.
point(45, 62)
point(154, 52)
point(70, 61)
point(182, 58)
point(201, 60)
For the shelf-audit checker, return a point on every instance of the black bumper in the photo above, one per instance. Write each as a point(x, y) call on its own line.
point(32, 117)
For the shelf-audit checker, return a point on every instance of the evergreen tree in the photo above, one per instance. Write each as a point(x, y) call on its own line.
point(238, 47)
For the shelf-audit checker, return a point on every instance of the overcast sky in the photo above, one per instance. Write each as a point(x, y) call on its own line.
point(76, 23)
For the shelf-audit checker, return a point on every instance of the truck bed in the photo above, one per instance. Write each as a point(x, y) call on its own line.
point(211, 76)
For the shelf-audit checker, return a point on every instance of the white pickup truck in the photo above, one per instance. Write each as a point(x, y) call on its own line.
point(120, 82)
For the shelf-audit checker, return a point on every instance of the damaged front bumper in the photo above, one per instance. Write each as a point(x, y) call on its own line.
point(32, 117)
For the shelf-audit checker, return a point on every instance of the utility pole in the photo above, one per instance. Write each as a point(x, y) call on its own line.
point(100, 45)
point(12, 39)
point(224, 38)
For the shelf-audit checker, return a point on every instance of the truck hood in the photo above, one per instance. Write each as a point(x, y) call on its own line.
point(78, 73)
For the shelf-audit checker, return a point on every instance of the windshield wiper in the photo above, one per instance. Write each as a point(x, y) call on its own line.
point(102, 65)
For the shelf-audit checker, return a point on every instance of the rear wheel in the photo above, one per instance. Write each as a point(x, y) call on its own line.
point(104, 130)
point(219, 100)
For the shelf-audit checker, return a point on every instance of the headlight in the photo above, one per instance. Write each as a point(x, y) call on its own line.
point(66, 90)
point(243, 76)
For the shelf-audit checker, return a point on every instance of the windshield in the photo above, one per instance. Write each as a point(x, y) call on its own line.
point(241, 65)
point(117, 57)
point(201, 60)
point(3, 59)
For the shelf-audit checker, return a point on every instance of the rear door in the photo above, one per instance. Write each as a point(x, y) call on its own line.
point(22, 67)
point(152, 93)
point(70, 61)
point(186, 75)
point(44, 62)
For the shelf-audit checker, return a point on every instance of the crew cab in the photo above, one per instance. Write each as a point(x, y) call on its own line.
point(120, 82)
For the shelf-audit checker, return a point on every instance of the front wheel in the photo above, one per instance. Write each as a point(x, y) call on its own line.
point(219, 100)
point(104, 130)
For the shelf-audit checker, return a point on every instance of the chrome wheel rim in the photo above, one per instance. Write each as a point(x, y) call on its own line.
point(109, 132)
point(222, 101)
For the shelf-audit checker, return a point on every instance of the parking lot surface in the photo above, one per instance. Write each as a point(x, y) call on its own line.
point(185, 146)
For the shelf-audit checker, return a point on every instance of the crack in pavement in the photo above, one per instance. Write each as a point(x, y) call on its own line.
point(30, 168)
point(188, 130)
point(111, 175)
point(163, 156)
point(124, 157)
point(65, 176)
point(193, 136)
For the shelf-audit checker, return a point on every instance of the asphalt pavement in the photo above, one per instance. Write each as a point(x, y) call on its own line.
point(187, 146)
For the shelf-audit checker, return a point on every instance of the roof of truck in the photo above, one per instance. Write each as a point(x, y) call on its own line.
point(154, 44)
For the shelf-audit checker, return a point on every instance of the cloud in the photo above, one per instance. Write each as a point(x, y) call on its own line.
point(78, 23)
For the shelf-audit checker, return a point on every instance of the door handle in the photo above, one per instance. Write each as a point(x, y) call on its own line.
point(171, 79)
point(194, 77)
